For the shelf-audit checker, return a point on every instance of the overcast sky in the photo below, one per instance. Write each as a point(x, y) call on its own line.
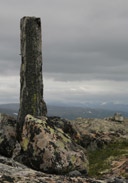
point(85, 49)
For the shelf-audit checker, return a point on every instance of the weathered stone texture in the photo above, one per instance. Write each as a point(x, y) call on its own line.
point(14, 172)
point(31, 91)
point(49, 145)
point(95, 133)
point(47, 148)
point(7, 135)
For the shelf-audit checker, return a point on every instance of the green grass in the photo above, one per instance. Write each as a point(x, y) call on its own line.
point(100, 159)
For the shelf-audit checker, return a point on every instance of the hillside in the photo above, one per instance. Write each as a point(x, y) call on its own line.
point(71, 112)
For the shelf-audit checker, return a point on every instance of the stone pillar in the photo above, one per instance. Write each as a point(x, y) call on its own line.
point(31, 89)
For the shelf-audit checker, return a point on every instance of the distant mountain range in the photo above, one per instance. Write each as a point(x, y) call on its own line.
point(99, 110)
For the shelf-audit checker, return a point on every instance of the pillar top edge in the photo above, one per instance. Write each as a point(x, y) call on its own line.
point(30, 17)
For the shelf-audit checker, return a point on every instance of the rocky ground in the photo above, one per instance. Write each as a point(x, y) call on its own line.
point(55, 150)
point(14, 172)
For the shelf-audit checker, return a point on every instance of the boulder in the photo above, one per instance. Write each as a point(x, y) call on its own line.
point(7, 135)
point(48, 148)
point(118, 117)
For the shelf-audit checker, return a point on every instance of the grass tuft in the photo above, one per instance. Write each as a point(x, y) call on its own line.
point(100, 160)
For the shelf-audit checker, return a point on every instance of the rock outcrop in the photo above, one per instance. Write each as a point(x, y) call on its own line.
point(7, 135)
point(14, 172)
point(44, 146)
point(95, 133)
point(106, 142)
point(47, 148)
point(57, 146)
point(118, 117)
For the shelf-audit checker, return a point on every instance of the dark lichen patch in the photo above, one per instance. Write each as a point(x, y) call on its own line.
point(53, 144)
point(37, 130)
point(51, 121)
point(8, 144)
point(47, 130)
point(35, 162)
point(7, 179)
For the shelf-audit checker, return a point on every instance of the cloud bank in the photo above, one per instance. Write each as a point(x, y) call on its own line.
point(85, 47)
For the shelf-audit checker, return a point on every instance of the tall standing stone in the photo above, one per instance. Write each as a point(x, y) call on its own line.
point(31, 89)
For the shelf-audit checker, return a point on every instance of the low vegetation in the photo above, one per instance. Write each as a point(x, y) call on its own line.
point(101, 160)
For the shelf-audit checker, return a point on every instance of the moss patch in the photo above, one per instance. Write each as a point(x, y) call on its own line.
point(24, 144)
point(1, 140)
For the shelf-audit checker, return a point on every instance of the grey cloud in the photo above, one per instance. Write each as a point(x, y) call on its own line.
point(104, 74)
point(82, 40)
point(82, 98)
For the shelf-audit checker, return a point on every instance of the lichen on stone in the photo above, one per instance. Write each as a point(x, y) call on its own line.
point(50, 149)
point(25, 143)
